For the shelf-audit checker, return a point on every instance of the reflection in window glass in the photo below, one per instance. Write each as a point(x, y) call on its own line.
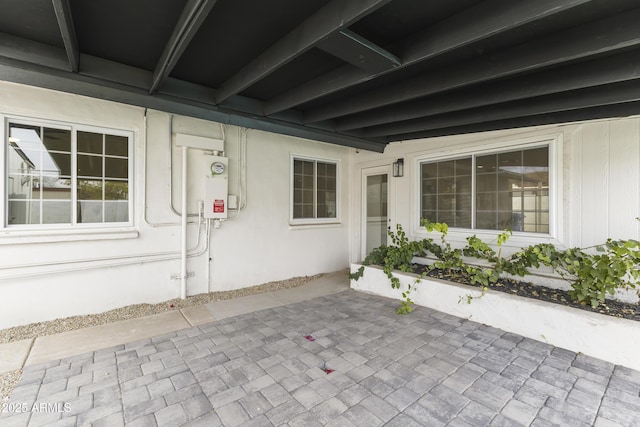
point(446, 192)
point(39, 168)
point(314, 189)
point(511, 191)
point(41, 177)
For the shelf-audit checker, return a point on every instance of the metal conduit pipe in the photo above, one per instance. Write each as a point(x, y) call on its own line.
point(183, 239)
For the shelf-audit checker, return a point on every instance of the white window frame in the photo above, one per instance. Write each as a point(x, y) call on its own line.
point(54, 232)
point(311, 221)
point(554, 142)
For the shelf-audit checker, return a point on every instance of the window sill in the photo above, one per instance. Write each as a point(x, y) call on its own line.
point(18, 237)
point(310, 225)
point(518, 240)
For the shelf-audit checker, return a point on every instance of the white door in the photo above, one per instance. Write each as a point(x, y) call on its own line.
point(375, 208)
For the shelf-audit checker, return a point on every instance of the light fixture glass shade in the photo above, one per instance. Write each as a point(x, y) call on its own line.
point(398, 168)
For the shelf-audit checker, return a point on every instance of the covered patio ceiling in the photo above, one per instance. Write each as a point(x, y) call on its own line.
point(359, 73)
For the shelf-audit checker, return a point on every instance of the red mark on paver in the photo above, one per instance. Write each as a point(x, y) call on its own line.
point(328, 371)
point(309, 337)
point(171, 306)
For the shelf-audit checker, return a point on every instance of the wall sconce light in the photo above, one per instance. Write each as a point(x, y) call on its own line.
point(398, 168)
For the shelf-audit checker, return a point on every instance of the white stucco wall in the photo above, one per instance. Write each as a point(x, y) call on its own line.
point(46, 275)
point(598, 181)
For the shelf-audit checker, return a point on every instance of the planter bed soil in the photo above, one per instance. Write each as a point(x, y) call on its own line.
point(526, 289)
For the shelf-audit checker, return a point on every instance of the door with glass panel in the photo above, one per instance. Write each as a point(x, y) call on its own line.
point(375, 207)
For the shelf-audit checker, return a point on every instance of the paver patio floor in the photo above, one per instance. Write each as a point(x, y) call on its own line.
point(258, 369)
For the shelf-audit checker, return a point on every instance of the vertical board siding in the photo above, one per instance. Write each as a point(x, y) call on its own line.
point(624, 179)
point(572, 167)
point(594, 224)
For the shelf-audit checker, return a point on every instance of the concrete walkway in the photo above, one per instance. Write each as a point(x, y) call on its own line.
point(330, 356)
point(17, 355)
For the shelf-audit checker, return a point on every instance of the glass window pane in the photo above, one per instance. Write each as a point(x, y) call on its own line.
point(24, 186)
point(57, 140)
point(89, 189)
point(463, 202)
point(486, 201)
point(116, 145)
point(486, 164)
point(507, 161)
point(116, 211)
point(62, 162)
point(58, 212)
point(89, 142)
point(58, 189)
point(23, 212)
point(463, 218)
point(116, 168)
point(519, 192)
point(486, 182)
point(314, 180)
point(463, 184)
point(90, 166)
point(446, 169)
point(429, 170)
point(463, 167)
point(536, 168)
point(447, 185)
point(116, 190)
point(307, 168)
point(430, 186)
point(89, 212)
point(447, 193)
point(486, 220)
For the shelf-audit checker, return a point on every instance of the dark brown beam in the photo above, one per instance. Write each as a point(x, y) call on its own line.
point(564, 117)
point(31, 51)
point(358, 51)
point(68, 31)
point(592, 39)
point(605, 95)
point(607, 70)
point(336, 15)
point(485, 20)
point(34, 74)
point(192, 17)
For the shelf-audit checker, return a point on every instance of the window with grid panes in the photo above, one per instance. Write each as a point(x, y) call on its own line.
point(62, 175)
point(511, 191)
point(314, 189)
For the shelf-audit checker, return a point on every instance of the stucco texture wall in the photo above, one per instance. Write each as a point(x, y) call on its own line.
point(50, 273)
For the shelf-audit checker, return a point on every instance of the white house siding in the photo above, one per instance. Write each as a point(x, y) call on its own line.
point(45, 275)
point(599, 180)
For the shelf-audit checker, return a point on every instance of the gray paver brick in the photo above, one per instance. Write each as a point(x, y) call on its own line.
point(131, 413)
point(284, 412)
point(519, 412)
point(402, 397)
point(432, 411)
point(232, 414)
point(307, 419)
point(99, 412)
point(328, 410)
point(170, 416)
point(428, 368)
point(307, 397)
point(113, 420)
point(255, 404)
point(488, 394)
point(379, 408)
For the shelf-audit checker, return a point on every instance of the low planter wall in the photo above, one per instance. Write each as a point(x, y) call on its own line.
point(612, 339)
